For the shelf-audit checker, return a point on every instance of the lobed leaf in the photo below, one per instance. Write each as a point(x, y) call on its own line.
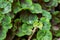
point(28, 18)
point(44, 35)
point(24, 30)
point(37, 8)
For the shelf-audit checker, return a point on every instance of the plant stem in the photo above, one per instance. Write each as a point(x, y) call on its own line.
point(33, 31)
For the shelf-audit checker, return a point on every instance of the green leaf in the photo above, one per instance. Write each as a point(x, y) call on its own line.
point(54, 3)
point(16, 7)
point(3, 32)
point(55, 13)
point(7, 9)
point(46, 14)
point(8, 26)
point(10, 1)
point(57, 33)
point(46, 23)
point(44, 35)
point(11, 15)
point(3, 3)
point(6, 20)
point(58, 1)
point(28, 18)
point(1, 17)
point(46, 0)
point(37, 8)
point(56, 20)
point(27, 4)
point(38, 25)
point(2, 35)
point(24, 30)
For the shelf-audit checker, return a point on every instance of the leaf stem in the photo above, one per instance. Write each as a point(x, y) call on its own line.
point(33, 31)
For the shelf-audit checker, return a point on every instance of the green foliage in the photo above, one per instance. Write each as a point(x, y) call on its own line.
point(46, 14)
point(27, 4)
point(46, 0)
point(1, 17)
point(54, 3)
point(5, 6)
point(58, 1)
point(44, 35)
point(57, 33)
point(24, 30)
point(3, 32)
point(55, 13)
point(10, 1)
point(37, 8)
point(51, 3)
point(46, 23)
point(16, 7)
point(56, 20)
point(38, 25)
point(18, 18)
point(28, 18)
point(6, 24)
